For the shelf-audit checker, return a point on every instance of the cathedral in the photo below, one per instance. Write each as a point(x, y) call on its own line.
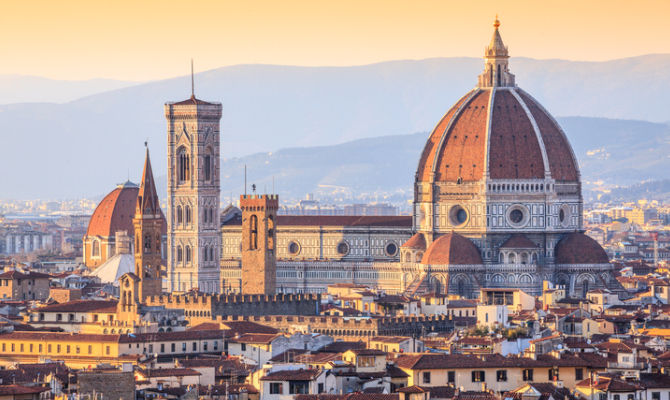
point(497, 204)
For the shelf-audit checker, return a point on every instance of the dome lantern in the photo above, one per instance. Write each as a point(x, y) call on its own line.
point(496, 69)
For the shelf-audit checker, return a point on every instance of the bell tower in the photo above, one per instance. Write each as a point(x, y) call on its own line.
point(148, 224)
point(259, 237)
point(194, 236)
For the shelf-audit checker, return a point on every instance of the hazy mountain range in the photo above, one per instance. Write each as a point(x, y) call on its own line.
point(84, 147)
point(35, 89)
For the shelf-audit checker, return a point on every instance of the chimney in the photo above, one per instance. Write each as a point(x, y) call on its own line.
point(122, 242)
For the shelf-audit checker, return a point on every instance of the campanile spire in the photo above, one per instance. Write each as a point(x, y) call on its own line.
point(496, 57)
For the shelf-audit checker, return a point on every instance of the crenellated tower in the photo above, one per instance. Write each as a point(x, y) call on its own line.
point(259, 237)
point(194, 238)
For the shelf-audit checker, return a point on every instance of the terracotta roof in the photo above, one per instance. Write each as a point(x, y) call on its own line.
point(169, 336)
point(390, 339)
point(350, 396)
point(8, 390)
point(193, 101)
point(115, 212)
point(577, 248)
point(457, 148)
point(473, 395)
point(518, 241)
point(452, 249)
point(14, 274)
point(242, 327)
point(256, 338)
point(341, 346)
point(165, 372)
point(441, 361)
point(607, 384)
point(81, 306)
point(292, 375)
point(418, 241)
point(60, 336)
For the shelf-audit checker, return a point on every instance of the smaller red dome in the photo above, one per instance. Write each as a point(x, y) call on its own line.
point(417, 242)
point(452, 249)
point(115, 212)
point(577, 248)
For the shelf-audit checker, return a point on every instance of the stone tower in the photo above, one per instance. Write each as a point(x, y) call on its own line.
point(148, 224)
point(259, 262)
point(194, 238)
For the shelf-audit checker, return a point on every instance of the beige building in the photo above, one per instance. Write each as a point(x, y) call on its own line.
point(16, 285)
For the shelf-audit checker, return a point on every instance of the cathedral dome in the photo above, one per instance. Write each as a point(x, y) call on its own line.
point(497, 131)
point(577, 248)
point(452, 249)
point(115, 212)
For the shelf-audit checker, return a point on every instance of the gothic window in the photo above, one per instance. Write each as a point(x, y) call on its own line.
point(253, 233)
point(180, 217)
point(207, 167)
point(183, 165)
point(511, 258)
point(147, 243)
point(524, 258)
point(206, 254)
point(187, 212)
point(95, 251)
point(180, 256)
point(158, 243)
point(211, 215)
point(271, 233)
point(211, 253)
point(188, 254)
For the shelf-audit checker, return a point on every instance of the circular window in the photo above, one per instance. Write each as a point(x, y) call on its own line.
point(343, 248)
point(517, 216)
point(391, 249)
point(458, 215)
point(293, 248)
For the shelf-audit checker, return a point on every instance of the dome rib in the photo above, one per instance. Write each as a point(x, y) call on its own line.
point(538, 134)
point(460, 153)
point(563, 168)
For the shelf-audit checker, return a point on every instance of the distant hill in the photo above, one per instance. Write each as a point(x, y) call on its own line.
point(383, 168)
point(85, 146)
point(35, 89)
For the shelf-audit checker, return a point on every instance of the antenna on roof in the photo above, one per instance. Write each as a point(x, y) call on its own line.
point(245, 180)
point(192, 81)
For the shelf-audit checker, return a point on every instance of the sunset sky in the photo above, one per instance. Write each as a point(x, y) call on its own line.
point(143, 40)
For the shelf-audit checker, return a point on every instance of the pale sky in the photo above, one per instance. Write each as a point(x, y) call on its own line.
point(147, 39)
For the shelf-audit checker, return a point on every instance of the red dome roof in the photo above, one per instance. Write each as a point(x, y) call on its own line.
point(452, 249)
point(115, 212)
point(577, 248)
point(511, 136)
point(416, 242)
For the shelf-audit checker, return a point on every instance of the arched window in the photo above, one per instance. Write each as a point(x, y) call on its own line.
point(188, 254)
point(253, 232)
point(524, 258)
point(95, 250)
point(207, 167)
point(180, 254)
point(147, 243)
point(180, 216)
point(271, 233)
point(183, 165)
point(211, 254)
point(211, 215)
point(187, 212)
point(205, 256)
point(511, 258)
